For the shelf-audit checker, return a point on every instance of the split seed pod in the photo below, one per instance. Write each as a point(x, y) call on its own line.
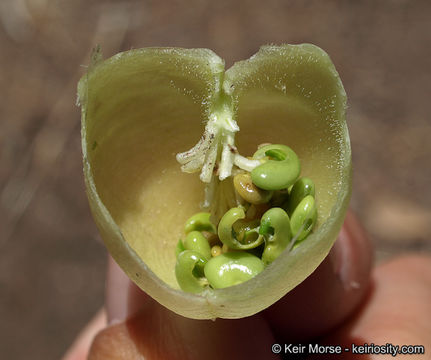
point(141, 107)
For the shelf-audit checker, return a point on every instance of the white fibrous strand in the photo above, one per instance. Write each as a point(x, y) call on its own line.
point(216, 150)
point(220, 196)
point(216, 157)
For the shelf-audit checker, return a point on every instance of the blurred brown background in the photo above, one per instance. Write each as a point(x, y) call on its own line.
point(51, 260)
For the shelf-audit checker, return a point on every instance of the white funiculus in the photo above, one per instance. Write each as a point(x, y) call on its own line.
point(216, 154)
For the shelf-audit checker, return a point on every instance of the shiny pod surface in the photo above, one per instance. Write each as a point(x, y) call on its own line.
point(141, 107)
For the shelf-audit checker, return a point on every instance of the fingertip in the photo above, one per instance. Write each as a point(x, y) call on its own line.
point(80, 347)
point(157, 333)
point(123, 297)
point(113, 342)
point(391, 313)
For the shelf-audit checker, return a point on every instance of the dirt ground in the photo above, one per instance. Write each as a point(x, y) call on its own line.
point(52, 261)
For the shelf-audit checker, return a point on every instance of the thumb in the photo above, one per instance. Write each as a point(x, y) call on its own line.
point(328, 296)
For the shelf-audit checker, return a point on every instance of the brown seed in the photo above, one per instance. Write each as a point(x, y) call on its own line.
point(248, 191)
point(256, 211)
point(211, 237)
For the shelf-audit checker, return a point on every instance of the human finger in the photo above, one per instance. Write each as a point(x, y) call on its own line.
point(397, 310)
point(157, 333)
point(80, 347)
point(329, 295)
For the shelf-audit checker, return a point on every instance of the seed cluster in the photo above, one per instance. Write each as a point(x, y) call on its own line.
point(277, 212)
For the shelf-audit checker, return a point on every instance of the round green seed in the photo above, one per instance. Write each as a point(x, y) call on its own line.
point(280, 171)
point(189, 271)
point(304, 218)
point(302, 188)
point(197, 242)
point(232, 268)
point(216, 250)
point(199, 222)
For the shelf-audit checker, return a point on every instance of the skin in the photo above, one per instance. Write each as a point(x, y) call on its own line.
point(357, 305)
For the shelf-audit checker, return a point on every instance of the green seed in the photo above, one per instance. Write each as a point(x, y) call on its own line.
point(189, 271)
point(179, 248)
point(200, 222)
point(279, 172)
point(249, 191)
point(216, 250)
point(304, 218)
point(227, 234)
point(302, 188)
point(275, 227)
point(197, 242)
point(232, 268)
point(246, 231)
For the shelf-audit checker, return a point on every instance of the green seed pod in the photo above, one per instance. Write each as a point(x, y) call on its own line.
point(197, 242)
point(232, 268)
point(302, 187)
point(304, 218)
point(279, 172)
point(132, 103)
